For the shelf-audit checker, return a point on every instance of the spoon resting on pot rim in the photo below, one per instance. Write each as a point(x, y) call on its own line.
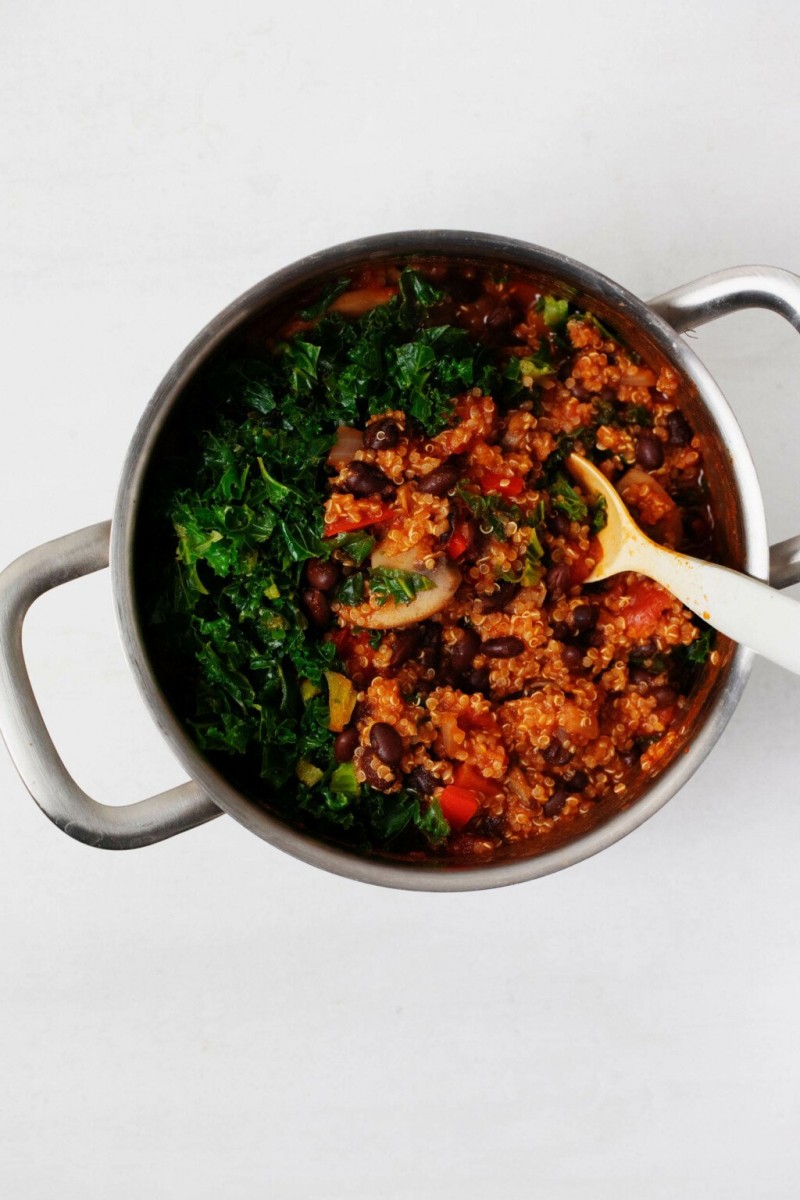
point(743, 608)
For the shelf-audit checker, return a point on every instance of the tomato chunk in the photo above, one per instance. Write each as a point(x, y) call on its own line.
point(459, 805)
point(648, 604)
point(469, 777)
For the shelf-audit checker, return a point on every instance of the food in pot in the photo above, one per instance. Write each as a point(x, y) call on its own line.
point(377, 618)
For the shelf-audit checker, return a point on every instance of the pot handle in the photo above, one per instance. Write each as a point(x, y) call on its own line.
point(724, 292)
point(113, 827)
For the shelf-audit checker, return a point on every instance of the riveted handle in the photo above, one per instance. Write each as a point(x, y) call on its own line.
point(113, 827)
point(712, 296)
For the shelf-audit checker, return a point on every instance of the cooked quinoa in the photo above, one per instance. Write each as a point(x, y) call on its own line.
point(475, 691)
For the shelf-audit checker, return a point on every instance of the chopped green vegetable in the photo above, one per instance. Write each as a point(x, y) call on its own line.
point(535, 366)
point(533, 569)
point(343, 780)
point(351, 590)
point(416, 291)
point(307, 773)
point(491, 510)
point(308, 690)
point(698, 650)
point(637, 414)
point(565, 443)
point(554, 312)
point(302, 359)
point(655, 663)
point(357, 546)
point(565, 497)
point(591, 319)
point(390, 583)
point(599, 518)
point(392, 814)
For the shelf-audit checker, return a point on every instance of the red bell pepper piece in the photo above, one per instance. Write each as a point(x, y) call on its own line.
point(349, 525)
point(502, 485)
point(460, 540)
point(459, 805)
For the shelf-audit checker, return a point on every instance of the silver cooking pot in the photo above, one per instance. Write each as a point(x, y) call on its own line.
point(653, 329)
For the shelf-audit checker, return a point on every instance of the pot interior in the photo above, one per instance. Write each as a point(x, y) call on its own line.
point(178, 406)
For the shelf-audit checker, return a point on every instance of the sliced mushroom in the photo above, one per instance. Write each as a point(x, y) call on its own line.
point(444, 577)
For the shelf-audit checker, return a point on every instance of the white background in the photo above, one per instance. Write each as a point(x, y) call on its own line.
point(209, 1018)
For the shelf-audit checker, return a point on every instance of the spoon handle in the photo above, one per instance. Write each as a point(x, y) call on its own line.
point(745, 609)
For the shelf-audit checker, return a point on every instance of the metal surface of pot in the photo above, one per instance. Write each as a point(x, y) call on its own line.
point(653, 328)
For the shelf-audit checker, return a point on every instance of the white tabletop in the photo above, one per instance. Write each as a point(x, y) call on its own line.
point(209, 1018)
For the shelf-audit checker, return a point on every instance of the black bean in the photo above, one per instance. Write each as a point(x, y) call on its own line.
point(440, 481)
point(492, 826)
point(637, 675)
point(649, 452)
point(664, 696)
point(597, 638)
point(465, 650)
point(446, 676)
point(556, 753)
point(387, 743)
point(680, 431)
point(572, 658)
point(422, 781)
point(344, 744)
point(499, 318)
point(630, 757)
point(382, 435)
point(317, 608)
point(576, 781)
point(322, 575)
point(556, 802)
point(503, 595)
point(561, 631)
point(406, 644)
point(559, 524)
point(364, 479)
point(503, 647)
point(431, 653)
point(584, 617)
point(557, 580)
point(476, 680)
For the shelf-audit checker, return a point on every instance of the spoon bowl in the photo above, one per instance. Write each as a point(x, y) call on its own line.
point(743, 608)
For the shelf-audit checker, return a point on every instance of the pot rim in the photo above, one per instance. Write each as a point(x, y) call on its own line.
point(429, 875)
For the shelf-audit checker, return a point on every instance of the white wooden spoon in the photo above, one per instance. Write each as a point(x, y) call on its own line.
point(745, 609)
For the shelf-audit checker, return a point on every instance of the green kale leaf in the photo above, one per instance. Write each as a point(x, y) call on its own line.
point(390, 583)
point(564, 496)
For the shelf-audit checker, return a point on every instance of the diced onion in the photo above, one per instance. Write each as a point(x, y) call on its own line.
point(348, 442)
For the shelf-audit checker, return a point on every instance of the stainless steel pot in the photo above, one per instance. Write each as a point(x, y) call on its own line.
point(653, 328)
